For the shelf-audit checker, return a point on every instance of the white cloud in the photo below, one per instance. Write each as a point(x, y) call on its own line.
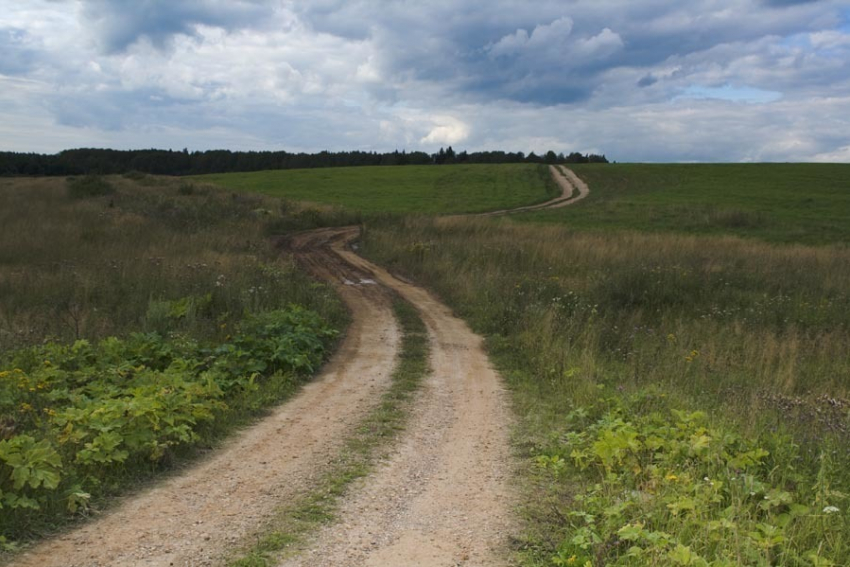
point(838, 155)
point(449, 130)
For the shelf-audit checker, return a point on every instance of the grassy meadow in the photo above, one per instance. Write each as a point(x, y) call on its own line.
point(676, 344)
point(787, 203)
point(140, 319)
point(684, 399)
point(408, 189)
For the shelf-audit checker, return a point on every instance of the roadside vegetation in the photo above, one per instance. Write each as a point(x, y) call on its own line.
point(787, 203)
point(684, 399)
point(411, 189)
point(140, 320)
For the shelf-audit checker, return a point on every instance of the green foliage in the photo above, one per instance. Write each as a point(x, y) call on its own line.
point(89, 186)
point(409, 189)
point(80, 411)
point(668, 488)
point(155, 261)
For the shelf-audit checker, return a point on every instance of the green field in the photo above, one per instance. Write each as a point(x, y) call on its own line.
point(690, 393)
point(682, 393)
point(803, 203)
point(408, 189)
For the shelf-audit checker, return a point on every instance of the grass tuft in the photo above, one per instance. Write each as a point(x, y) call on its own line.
point(89, 186)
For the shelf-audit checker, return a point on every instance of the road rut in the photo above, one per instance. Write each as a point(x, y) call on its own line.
point(573, 190)
point(443, 497)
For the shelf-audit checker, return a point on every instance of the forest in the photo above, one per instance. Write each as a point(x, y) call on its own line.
point(85, 161)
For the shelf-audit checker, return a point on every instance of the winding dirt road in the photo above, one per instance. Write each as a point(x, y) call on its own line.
point(442, 498)
point(573, 190)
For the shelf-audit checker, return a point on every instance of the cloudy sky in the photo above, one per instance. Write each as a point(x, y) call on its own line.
point(638, 80)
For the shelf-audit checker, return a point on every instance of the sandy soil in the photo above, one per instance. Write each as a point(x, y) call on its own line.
point(443, 497)
point(194, 518)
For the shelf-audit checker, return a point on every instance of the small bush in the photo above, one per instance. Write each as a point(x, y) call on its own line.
point(89, 186)
point(186, 188)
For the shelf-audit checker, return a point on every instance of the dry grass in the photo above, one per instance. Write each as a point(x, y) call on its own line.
point(92, 267)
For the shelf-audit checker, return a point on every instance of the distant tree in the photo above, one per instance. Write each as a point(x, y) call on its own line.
point(86, 161)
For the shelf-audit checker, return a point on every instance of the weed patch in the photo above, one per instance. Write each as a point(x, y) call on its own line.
point(77, 415)
point(135, 333)
point(89, 186)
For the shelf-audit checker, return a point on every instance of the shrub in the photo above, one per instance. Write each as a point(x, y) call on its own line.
point(89, 186)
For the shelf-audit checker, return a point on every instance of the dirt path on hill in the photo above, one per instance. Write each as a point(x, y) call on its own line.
point(573, 190)
point(441, 499)
point(193, 519)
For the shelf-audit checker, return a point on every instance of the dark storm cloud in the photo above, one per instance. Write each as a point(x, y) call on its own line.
point(120, 23)
point(551, 52)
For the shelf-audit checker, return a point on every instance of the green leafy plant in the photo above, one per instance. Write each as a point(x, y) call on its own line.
point(82, 411)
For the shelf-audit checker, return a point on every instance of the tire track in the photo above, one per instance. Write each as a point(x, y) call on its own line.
point(443, 498)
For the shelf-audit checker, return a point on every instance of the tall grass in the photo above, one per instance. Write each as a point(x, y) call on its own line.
point(190, 265)
point(74, 268)
point(754, 334)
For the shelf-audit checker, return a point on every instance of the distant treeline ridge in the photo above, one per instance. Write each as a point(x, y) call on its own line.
point(168, 162)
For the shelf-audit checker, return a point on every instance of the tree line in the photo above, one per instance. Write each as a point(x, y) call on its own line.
point(169, 162)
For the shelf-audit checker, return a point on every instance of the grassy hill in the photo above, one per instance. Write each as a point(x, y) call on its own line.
point(803, 203)
point(409, 189)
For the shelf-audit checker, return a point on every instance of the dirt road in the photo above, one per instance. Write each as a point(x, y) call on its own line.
point(441, 499)
point(573, 189)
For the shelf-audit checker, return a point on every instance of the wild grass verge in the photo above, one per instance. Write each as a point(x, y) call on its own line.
point(291, 527)
point(684, 400)
point(135, 328)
